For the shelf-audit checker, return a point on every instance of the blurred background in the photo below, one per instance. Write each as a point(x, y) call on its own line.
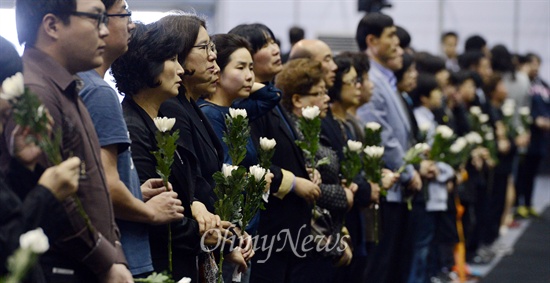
point(522, 25)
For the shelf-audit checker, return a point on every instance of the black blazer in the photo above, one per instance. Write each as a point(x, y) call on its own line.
point(202, 148)
point(292, 212)
point(185, 233)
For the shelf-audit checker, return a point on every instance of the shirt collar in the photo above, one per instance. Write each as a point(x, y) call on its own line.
point(387, 73)
point(52, 69)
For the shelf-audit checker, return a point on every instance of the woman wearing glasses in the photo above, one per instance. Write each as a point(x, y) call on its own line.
point(303, 85)
point(148, 74)
point(202, 149)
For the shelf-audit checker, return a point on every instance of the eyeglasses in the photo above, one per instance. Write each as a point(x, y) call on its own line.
point(127, 14)
point(101, 18)
point(352, 82)
point(210, 48)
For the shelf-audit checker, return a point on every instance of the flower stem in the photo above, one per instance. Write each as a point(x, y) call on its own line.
point(83, 213)
point(220, 271)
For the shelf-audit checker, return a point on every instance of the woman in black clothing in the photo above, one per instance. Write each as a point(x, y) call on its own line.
point(203, 150)
point(148, 74)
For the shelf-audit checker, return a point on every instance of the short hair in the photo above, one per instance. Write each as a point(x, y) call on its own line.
point(532, 56)
point(470, 59)
point(501, 60)
point(344, 66)
point(408, 60)
point(447, 34)
point(109, 3)
point(226, 44)
point(149, 47)
point(257, 34)
point(428, 63)
point(187, 26)
point(491, 85)
point(296, 34)
point(458, 78)
point(29, 15)
point(9, 60)
point(298, 77)
point(360, 61)
point(404, 37)
point(371, 23)
point(474, 43)
point(425, 84)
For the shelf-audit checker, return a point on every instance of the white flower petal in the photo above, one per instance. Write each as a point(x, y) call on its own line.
point(475, 110)
point(444, 131)
point(355, 146)
point(373, 126)
point(257, 171)
point(267, 144)
point(35, 240)
point(13, 87)
point(235, 112)
point(310, 112)
point(524, 111)
point(227, 169)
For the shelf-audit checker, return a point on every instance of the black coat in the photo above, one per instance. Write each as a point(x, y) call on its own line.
point(185, 233)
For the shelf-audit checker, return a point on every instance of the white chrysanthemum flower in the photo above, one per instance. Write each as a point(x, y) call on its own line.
point(459, 145)
point(374, 151)
point(475, 110)
point(267, 144)
point(185, 280)
point(13, 87)
point(257, 171)
point(507, 110)
point(35, 240)
point(444, 131)
point(524, 111)
point(373, 126)
point(422, 147)
point(473, 138)
point(164, 124)
point(355, 146)
point(227, 169)
point(483, 118)
point(424, 127)
point(489, 136)
point(311, 112)
point(234, 112)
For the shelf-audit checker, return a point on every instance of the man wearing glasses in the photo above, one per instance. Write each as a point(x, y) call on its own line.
point(131, 212)
point(61, 38)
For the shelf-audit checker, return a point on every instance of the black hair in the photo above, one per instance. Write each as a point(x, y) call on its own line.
point(447, 34)
point(491, 85)
point(295, 34)
point(150, 46)
point(408, 60)
point(187, 26)
point(530, 56)
point(9, 60)
point(109, 3)
point(458, 78)
point(257, 34)
point(226, 44)
point(425, 84)
point(470, 59)
point(344, 66)
point(360, 61)
point(29, 15)
point(474, 43)
point(428, 63)
point(371, 23)
point(501, 61)
point(404, 37)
